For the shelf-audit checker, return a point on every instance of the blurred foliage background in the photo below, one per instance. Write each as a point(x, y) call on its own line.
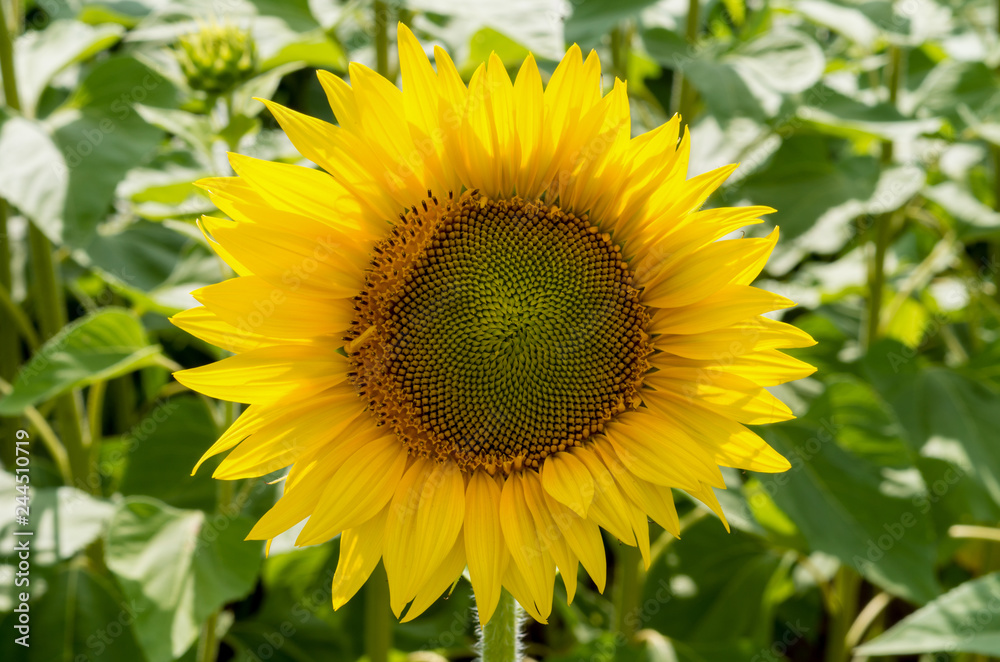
point(872, 126)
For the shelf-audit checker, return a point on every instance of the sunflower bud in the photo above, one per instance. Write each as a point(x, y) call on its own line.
point(217, 58)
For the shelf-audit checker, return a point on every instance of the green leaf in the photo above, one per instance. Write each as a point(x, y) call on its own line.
point(946, 415)
point(839, 115)
point(33, 174)
point(62, 173)
point(178, 566)
point(64, 519)
point(294, 616)
point(963, 620)
point(748, 80)
point(840, 190)
point(865, 511)
point(155, 264)
point(163, 449)
point(592, 19)
point(959, 91)
point(847, 20)
point(100, 346)
point(974, 220)
point(41, 54)
point(80, 617)
point(714, 588)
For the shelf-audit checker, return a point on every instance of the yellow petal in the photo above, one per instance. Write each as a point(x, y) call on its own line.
point(534, 562)
point(729, 443)
point(731, 304)
point(706, 495)
point(654, 500)
point(484, 543)
point(656, 449)
point(528, 111)
point(550, 535)
point(307, 478)
point(360, 549)
point(345, 156)
point(296, 263)
point(516, 584)
point(729, 395)
point(584, 538)
point(251, 419)
point(273, 443)
point(610, 509)
point(269, 374)
point(425, 517)
point(361, 487)
point(568, 481)
point(202, 323)
point(254, 305)
point(754, 334)
point(295, 188)
point(704, 272)
point(442, 579)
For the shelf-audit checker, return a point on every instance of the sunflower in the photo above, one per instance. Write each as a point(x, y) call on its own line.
point(492, 325)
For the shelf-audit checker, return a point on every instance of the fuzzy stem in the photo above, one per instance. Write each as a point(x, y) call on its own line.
point(500, 639)
point(378, 629)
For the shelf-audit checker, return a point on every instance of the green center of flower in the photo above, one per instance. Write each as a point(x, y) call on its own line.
point(497, 332)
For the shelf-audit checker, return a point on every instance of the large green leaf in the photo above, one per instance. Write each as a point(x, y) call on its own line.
point(33, 173)
point(746, 79)
point(590, 20)
point(41, 54)
point(946, 415)
point(295, 612)
point(64, 521)
point(840, 115)
point(178, 566)
point(162, 451)
point(80, 618)
point(961, 91)
point(100, 346)
point(963, 620)
point(862, 507)
point(714, 588)
point(840, 188)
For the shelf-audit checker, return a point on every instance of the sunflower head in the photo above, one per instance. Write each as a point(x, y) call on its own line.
point(490, 326)
point(217, 58)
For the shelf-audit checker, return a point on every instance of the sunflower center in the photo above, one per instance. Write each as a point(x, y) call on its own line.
point(495, 332)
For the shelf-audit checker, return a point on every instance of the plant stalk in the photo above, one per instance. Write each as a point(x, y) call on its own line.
point(883, 222)
point(628, 587)
point(382, 37)
point(685, 104)
point(50, 304)
point(378, 629)
point(847, 586)
point(10, 354)
point(500, 639)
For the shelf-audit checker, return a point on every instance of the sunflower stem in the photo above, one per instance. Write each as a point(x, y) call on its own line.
point(500, 639)
point(378, 629)
point(628, 587)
